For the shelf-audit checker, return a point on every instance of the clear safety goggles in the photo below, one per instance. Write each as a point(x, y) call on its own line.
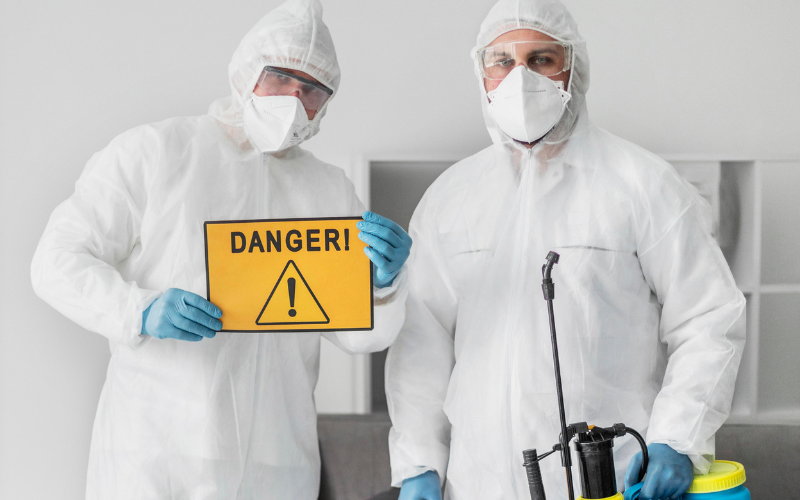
point(546, 58)
point(274, 81)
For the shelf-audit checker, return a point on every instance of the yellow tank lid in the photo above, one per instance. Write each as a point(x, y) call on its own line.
point(618, 496)
point(724, 475)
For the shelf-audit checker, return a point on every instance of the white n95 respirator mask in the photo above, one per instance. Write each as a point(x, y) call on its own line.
point(527, 105)
point(273, 123)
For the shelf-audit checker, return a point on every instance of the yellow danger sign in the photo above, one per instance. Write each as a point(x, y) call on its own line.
point(289, 275)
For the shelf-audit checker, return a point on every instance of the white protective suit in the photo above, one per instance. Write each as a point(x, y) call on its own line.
point(650, 321)
point(231, 417)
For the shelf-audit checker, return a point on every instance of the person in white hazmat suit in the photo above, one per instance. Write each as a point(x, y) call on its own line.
point(232, 416)
point(650, 321)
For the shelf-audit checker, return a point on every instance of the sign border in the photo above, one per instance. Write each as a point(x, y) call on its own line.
point(305, 219)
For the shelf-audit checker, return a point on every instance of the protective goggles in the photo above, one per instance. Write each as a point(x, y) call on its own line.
point(546, 58)
point(274, 81)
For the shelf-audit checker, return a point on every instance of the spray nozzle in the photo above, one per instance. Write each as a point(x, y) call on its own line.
point(547, 283)
point(551, 260)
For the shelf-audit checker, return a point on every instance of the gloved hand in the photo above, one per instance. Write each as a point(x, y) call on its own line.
point(181, 315)
point(389, 246)
point(422, 487)
point(669, 473)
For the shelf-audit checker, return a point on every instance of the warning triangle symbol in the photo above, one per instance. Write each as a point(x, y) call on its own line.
point(292, 302)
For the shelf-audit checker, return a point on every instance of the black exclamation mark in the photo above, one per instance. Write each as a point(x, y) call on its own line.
point(347, 239)
point(292, 312)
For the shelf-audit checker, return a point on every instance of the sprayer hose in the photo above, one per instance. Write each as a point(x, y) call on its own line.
point(643, 446)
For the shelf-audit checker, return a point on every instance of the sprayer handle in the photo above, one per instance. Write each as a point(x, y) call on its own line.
point(534, 474)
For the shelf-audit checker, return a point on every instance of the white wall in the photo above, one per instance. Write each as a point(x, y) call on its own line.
point(717, 77)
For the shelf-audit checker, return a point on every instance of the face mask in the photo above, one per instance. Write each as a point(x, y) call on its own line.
point(526, 105)
point(274, 123)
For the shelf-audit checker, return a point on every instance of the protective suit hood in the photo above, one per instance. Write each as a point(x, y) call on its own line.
point(291, 36)
point(552, 18)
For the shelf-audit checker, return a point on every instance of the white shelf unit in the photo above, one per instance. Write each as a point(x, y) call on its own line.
point(759, 232)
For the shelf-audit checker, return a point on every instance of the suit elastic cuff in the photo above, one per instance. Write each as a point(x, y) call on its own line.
point(701, 463)
point(138, 301)
point(410, 460)
point(397, 290)
point(413, 471)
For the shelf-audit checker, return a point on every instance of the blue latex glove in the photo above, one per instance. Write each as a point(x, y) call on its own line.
point(422, 487)
point(389, 246)
point(181, 315)
point(669, 473)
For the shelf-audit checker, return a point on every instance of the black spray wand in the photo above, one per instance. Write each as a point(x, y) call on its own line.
point(549, 294)
point(594, 447)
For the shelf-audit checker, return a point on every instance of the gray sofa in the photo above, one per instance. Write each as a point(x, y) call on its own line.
point(355, 457)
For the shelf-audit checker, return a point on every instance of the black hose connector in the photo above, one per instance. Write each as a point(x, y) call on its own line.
point(534, 473)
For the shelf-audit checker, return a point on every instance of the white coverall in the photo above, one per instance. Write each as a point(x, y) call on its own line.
point(231, 417)
point(651, 325)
